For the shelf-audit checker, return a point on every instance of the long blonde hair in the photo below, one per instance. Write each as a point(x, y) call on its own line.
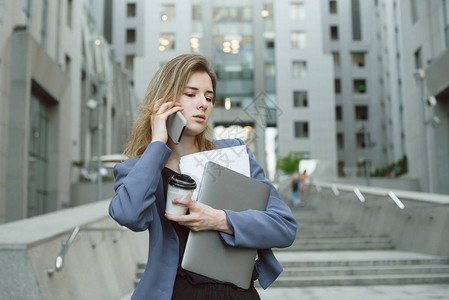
point(167, 85)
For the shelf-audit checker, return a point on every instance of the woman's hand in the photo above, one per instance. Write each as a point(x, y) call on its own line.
point(159, 121)
point(201, 217)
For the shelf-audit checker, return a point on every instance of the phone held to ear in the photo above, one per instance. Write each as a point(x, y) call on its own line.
point(176, 123)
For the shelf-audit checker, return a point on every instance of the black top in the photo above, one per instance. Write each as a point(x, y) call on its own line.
point(183, 234)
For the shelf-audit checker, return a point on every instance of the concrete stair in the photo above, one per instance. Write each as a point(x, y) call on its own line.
point(326, 253)
point(318, 234)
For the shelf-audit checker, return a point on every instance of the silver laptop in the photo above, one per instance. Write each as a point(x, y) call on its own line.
point(206, 252)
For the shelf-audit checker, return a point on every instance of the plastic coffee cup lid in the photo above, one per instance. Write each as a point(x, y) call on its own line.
point(182, 181)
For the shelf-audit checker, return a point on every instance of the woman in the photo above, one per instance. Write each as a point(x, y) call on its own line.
point(188, 84)
point(295, 185)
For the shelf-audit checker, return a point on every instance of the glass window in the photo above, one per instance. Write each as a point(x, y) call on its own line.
point(333, 7)
point(298, 39)
point(231, 44)
point(341, 168)
point(68, 64)
point(166, 41)
point(69, 12)
point(234, 71)
point(44, 20)
point(359, 86)
point(418, 59)
point(232, 14)
point(358, 59)
point(338, 113)
point(360, 140)
point(267, 12)
point(38, 156)
point(299, 69)
point(270, 70)
point(414, 10)
point(446, 21)
point(336, 57)
point(300, 99)
point(337, 86)
point(131, 9)
point(334, 33)
point(361, 112)
point(130, 36)
point(340, 141)
point(129, 62)
point(244, 14)
point(301, 129)
point(197, 13)
point(220, 14)
point(356, 27)
point(269, 43)
point(195, 43)
point(297, 11)
point(167, 12)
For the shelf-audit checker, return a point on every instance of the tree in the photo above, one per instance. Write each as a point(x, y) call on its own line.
point(290, 163)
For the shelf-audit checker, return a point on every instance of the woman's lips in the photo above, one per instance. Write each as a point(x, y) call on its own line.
point(200, 118)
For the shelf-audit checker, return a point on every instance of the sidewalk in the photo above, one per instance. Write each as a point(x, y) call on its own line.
point(376, 292)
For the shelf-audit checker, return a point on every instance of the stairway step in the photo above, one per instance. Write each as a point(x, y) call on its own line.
point(325, 227)
point(330, 235)
point(141, 265)
point(359, 263)
point(365, 270)
point(343, 240)
point(356, 258)
point(362, 280)
point(336, 246)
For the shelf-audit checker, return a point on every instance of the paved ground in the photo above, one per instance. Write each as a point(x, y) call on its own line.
point(376, 292)
point(349, 255)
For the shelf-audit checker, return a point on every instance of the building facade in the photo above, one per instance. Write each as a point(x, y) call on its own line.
point(350, 36)
point(390, 86)
point(247, 43)
point(304, 88)
point(425, 88)
point(52, 62)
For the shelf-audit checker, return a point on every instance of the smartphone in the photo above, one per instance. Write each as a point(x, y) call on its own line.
point(176, 123)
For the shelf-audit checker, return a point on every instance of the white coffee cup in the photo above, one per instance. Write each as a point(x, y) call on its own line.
point(179, 186)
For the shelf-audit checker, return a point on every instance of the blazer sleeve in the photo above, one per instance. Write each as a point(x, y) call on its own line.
point(136, 181)
point(273, 228)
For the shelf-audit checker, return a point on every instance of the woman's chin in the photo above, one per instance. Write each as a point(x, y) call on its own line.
point(194, 130)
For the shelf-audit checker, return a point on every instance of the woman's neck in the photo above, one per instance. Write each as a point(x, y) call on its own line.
point(186, 146)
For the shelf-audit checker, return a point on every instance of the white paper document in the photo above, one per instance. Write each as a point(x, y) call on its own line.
point(235, 158)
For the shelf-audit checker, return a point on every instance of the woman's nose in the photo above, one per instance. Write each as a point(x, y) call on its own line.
point(202, 102)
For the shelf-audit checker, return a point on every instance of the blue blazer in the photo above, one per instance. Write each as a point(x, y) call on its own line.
point(139, 204)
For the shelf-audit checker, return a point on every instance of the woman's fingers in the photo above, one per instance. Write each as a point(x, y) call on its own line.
point(167, 107)
point(201, 217)
point(159, 119)
point(189, 203)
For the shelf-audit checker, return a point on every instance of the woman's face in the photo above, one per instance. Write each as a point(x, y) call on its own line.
point(197, 101)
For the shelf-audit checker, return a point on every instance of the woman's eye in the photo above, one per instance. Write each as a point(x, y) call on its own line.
point(190, 95)
point(209, 99)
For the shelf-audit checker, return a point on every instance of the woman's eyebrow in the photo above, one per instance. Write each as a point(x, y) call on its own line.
point(196, 89)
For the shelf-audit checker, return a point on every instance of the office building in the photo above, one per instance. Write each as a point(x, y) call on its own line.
point(53, 60)
point(271, 69)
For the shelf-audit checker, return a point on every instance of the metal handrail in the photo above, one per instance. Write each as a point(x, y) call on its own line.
point(360, 196)
point(59, 263)
point(396, 200)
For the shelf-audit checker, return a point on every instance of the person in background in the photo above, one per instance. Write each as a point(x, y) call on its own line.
point(304, 181)
point(187, 84)
point(294, 184)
